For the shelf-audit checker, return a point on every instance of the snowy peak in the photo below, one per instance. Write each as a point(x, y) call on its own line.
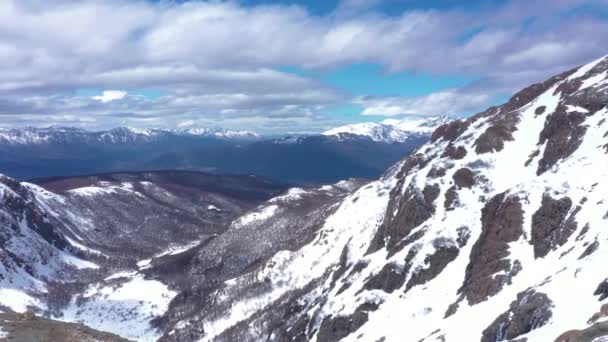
point(390, 130)
point(377, 132)
point(221, 133)
point(418, 124)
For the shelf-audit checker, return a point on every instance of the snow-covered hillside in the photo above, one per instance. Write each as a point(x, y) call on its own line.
point(79, 254)
point(493, 231)
point(389, 130)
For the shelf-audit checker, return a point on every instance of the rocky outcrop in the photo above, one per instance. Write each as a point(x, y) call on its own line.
point(335, 328)
point(590, 334)
point(412, 210)
point(562, 135)
point(434, 264)
point(451, 198)
point(495, 136)
point(590, 249)
point(504, 119)
point(531, 310)
point(599, 315)
point(540, 110)
point(389, 279)
point(602, 290)
point(551, 226)
point(464, 178)
point(455, 153)
point(450, 131)
point(501, 223)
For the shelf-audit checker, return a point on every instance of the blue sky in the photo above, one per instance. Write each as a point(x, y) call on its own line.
point(389, 7)
point(280, 66)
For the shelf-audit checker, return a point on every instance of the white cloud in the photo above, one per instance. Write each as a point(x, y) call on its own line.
point(218, 60)
point(110, 95)
point(449, 102)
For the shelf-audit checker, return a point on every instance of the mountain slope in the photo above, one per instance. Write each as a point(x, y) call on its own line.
point(490, 227)
point(75, 254)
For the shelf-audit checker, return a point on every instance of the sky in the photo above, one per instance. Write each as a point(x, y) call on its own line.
point(280, 66)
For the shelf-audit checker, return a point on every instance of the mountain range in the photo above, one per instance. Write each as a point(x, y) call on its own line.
point(493, 230)
point(312, 159)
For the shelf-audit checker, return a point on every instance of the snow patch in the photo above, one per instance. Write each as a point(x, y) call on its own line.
point(103, 188)
point(594, 80)
point(124, 305)
point(264, 214)
point(143, 264)
point(18, 300)
point(291, 195)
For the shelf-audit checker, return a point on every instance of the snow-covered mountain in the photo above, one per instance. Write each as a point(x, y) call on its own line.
point(120, 135)
point(489, 232)
point(390, 130)
point(492, 231)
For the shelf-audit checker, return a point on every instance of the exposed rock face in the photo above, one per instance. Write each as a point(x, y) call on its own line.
point(531, 310)
point(501, 223)
point(412, 211)
point(562, 134)
point(464, 178)
point(336, 328)
point(551, 226)
point(389, 279)
point(436, 172)
point(540, 110)
point(602, 290)
point(456, 153)
point(434, 264)
point(450, 131)
point(501, 130)
point(431, 192)
point(599, 315)
point(590, 334)
point(504, 120)
point(591, 248)
point(451, 198)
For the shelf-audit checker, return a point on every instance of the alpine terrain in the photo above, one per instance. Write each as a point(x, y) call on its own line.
point(494, 230)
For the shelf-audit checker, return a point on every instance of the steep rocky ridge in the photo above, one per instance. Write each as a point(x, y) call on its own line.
point(488, 227)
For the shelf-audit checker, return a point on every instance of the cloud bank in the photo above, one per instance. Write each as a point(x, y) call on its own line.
point(219, 63)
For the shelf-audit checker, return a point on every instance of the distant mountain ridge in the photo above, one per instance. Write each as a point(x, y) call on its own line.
point(66, 151)
point(59, 134)
point(387, 131)
point(390, 130)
